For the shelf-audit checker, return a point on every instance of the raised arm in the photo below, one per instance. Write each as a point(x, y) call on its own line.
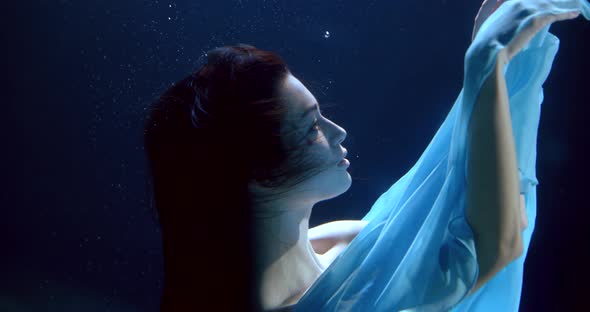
point(492, 207)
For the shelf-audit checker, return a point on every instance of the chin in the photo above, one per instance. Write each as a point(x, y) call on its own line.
point(349, 179)
point(344, 184)
point(331, 183)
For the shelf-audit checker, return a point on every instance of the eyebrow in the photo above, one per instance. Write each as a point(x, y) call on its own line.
point(309, 110)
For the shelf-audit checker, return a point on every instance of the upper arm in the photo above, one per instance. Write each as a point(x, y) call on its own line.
point(325, 236)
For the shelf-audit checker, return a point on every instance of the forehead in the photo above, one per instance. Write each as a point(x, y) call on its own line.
point(297, 97)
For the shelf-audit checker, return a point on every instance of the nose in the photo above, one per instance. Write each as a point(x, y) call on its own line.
point(339, 133)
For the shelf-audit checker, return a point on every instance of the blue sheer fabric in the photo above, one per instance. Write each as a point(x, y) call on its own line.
point(417, 253)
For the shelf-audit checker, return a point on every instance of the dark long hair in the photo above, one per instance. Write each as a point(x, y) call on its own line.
point(205, 138)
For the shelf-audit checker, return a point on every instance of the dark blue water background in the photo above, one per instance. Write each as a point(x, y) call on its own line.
point(77, 232)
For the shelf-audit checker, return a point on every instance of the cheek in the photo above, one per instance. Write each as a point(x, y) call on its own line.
point(317, 139)
point(311, 141)
point(319, 153)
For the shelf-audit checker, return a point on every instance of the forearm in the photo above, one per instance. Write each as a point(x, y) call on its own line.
point(492, 207)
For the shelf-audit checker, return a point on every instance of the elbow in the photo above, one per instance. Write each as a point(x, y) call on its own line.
point(512, 250)
point(490, 263)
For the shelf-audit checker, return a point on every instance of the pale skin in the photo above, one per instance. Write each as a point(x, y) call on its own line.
point(287, 259)
point(294, 255)
point(495, 210)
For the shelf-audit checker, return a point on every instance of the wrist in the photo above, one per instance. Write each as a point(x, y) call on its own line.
point(502, 58)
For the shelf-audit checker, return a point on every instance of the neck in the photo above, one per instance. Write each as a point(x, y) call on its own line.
point(286, 263)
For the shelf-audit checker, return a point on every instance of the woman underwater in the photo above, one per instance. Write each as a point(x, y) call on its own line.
point(240, 153)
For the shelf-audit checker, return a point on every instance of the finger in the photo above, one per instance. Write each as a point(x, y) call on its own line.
point(566, 16)
point(552, 18)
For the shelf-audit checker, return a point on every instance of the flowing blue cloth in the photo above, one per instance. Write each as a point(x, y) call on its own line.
point(417, 252)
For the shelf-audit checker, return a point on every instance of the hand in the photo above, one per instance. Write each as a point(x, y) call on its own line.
point(516, 25)
point(530, 29)
point(487, 8)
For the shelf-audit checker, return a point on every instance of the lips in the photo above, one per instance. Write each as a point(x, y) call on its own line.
point(343, 155)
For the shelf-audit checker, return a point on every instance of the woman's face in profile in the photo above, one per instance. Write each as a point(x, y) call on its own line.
point(307, 130)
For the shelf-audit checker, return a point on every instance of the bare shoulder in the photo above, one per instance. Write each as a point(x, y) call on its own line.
point(343, 230)
point(333, 234)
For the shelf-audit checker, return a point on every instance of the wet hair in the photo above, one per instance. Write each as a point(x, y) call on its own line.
point(205, 138)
